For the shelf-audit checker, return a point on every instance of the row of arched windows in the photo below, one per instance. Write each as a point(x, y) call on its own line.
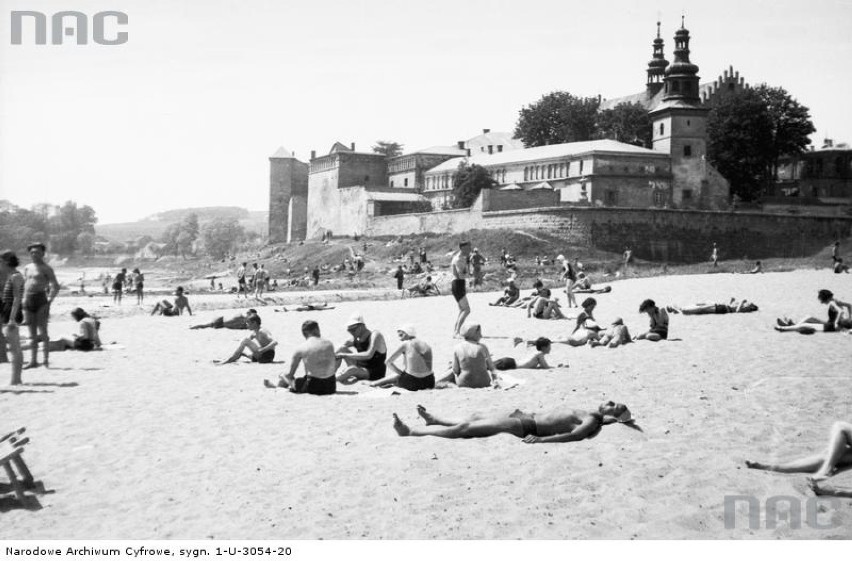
point(549, 171)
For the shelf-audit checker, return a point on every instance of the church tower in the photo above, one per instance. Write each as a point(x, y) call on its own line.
point(288, 197)
point(656, 67)
point(680, 129)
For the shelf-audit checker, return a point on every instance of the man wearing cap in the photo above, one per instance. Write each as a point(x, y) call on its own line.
point(40, 289)
point(459, 268)
point(317, 354)
point(417, 374)
point(368, 360)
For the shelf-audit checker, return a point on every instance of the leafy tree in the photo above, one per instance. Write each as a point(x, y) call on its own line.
point(169, 237)
point(791, 124)
point(86, 243)
point(556, 118)
point(626, 122)
point(184, 243)
point(468, 181)
point(221, 236)
point(389, 149)
point(740, 143)
point(189, 224)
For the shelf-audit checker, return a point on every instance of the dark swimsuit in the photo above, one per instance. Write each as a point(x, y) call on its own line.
point(413, 383)
point(505, 363)
point(84, 345)
point(722, 309)
point(528, 425)
point(316, 386)
point(265, 357)
point(34, 302)
point(375, 365)
point(458, 289)
point(7, 299)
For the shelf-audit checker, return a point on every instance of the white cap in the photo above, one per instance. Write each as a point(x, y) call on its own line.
point(560, 257)
point(355, 320)
point(408, 329)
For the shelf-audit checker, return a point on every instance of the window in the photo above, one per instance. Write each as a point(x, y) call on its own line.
point(688, 123)
point(391, 182)
point(405, 182)
point(581, 167)
point(490, 148)
point(686, 194)
point(659, 197)
point(549, 172)
point(499, 147)
point(687, 150)
point(611, 198)
point(662, 129)
point(526, 173)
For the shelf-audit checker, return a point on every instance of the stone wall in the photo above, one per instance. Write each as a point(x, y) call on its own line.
point(288, 180)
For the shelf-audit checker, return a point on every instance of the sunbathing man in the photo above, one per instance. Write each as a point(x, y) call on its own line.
point(165, 308)
point(544, 307)
point(424, 287)
point(460, 271)
point(556, 426)
point(836, 458)
point(320, 365)
point(839, 317)
point(532, 361)
point(368, 360)
point(659, 322)
point(510, 294)
point(472, 366)
point(260, 344)
point(234, 322)
point(613, 336)
point(418, 374)
point(40, 288)
point(732, 307)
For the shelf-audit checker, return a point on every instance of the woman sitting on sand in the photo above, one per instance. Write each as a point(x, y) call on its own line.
point(557, 426)
point(659, 322)
point(523, 302)
point(836, 458)
point(533, 361)
point(586, 329)
point(472, 366)
point(732, 307)
point(87, 339)
point(417, 374)
point(839, 317)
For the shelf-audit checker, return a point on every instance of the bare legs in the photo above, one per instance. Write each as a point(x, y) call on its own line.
point(838, 455)
point(473, 427)
point(464, 311)
point(806, 324)
point(13, 339)
point(569, 290)
point(246, 343)
point(37, 323)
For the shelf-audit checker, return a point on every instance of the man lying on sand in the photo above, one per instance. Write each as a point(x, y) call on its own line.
point(368, 360)
point(417, 374)
point(659, 322)
point(260, 344)
point(836, 458)
point(839, 317)
point(234, 322)
point(732, 307)
point(532, 361)
point(556, 426)
point(320, 365)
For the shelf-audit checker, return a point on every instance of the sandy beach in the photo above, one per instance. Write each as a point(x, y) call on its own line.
point(151, 440)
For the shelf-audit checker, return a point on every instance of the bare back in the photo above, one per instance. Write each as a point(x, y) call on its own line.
point(318, 356)
point(418, 357)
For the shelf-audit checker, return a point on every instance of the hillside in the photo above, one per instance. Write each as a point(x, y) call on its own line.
point(156, 224)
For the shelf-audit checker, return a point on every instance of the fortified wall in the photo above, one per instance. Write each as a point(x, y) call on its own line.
point(654, 234)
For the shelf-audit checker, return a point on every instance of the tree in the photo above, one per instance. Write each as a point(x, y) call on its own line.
point(626, 122)
point(468, 181)
point(86, 243)
point(389, 149)
point(221, 236)
point(556, 118)
point(189, 224)
point(740, 143)
point(791, 124)
point(169, 237)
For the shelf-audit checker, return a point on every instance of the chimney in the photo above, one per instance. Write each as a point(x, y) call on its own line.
point(460, 144)
point(313, 154)
point(486, 131)
point(353, 146)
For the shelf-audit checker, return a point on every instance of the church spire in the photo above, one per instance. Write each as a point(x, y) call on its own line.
point(656, 66)
point(681, 82)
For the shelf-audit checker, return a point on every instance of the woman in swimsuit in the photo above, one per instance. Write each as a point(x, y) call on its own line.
point(836, 458)
point(586, 328)
point(839, 317)
point(417, 374)
point(557, 426)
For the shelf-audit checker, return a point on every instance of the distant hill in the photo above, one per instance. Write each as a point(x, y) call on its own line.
point(156, 224)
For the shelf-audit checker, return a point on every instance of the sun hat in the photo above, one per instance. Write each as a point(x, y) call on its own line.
point(470, 330)
point(355, 320)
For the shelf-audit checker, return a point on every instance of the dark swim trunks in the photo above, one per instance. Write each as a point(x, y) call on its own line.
point(722, 309)
point(265, 357)
point(528, 424)
point(458, 289)
point(315, 386)
point(84, 345)
point(662, 332)
point(505, 363)
point(34, 302)
point(413, 383)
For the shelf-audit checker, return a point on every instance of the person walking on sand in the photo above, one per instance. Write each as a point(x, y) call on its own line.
point(139, 285)
point(241, 281)
point(714, 255)
point(561, 425)
point(260, 344)
point(476, 263)
point(569, 275)
point(417, 354)
point(317, 354)
point(659, 326)
point(368, 360)
point(259, 281)
point(40, 289)
point(11, 313)
point(459, 270)
point(118, 286)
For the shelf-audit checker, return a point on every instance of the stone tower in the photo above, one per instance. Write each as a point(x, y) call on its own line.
point(656, 67)
point(288, 197)
point(680, 129)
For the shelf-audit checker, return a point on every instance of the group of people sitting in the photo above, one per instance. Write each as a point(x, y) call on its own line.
point(839, 317)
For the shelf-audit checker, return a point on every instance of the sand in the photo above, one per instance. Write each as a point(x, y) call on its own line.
point(152, 440)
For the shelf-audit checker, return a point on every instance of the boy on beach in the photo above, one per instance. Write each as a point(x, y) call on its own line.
point(260, 344)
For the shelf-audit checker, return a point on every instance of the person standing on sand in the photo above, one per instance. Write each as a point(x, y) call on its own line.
point(835, 252)
point(139, 285)
point(320, 365)
point(476, 262)
point(569, 274)
point(40, 289)
point(714, 256)
point(241, 281)
point(628, 255)
point(118, 286)
point(563, 425)
point(459, 270)
point(399, 275)
point(11, 315)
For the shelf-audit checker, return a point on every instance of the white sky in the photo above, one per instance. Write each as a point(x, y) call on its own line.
point(189, 110)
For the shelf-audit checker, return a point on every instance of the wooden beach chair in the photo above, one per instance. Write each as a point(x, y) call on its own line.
point(11, 448)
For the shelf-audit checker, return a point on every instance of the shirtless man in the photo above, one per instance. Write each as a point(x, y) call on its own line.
point(417, 374)
point(40, 289)
point(368, 360)
point(459, 269)
point(556, 426)
point(234, 322)
point(320, 365)
point(241, 281)
point(260, 343)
